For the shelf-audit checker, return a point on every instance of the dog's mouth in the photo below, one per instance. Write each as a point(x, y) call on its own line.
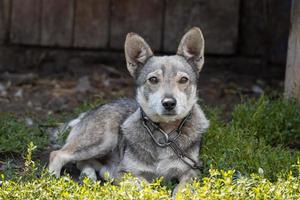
point(169, 113)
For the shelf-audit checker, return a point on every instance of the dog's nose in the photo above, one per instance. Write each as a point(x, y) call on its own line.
point(169, 103)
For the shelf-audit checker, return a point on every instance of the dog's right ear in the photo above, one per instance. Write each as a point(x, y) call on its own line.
point(137, 52)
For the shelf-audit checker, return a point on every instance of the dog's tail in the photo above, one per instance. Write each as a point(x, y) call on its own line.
point(58, 134)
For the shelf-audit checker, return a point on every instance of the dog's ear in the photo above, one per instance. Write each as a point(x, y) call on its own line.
point(191, 47)
point(137, 51)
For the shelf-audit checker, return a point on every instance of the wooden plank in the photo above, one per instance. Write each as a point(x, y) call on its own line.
point(252, 28)
point(278, 16)
point(292, 77)
point(57, 22)
point(264, 29)
point(4, 19)
point(25, 22)
point(91, 23)
point(142, 17)
point(2, 22)
point(218, 21)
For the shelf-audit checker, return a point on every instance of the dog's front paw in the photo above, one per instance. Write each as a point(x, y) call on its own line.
point(53, 170)
point(88, 172)
point(175, 191)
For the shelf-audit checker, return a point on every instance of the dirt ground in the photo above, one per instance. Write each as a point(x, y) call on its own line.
point(62, 92)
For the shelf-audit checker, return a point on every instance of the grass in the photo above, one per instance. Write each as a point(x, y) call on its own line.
point(248, 158)
point(15, 135)
point(256, 138)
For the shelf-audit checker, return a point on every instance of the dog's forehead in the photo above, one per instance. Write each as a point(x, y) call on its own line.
point(170, 66)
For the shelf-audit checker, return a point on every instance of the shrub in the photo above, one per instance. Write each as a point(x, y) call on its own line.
point(218, 184)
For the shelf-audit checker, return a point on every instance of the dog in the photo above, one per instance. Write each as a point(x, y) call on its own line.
point(156, 135)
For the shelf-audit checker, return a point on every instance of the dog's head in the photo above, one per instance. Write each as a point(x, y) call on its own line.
point(166, 85)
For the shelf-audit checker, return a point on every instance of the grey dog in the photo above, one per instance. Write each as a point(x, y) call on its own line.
point(158, 134)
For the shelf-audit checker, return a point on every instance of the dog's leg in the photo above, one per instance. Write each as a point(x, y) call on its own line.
point(57, 160)
point(183, 180)
point(74, 152)
point(61, 157)
point(88, 168)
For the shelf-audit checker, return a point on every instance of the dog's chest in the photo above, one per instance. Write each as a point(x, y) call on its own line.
point(143, 157)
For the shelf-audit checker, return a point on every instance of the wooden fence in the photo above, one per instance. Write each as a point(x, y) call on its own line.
point(231, 27)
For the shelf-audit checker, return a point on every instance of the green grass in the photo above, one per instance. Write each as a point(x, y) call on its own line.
point(15, 135)
point(256, 138)
point(275, 121)
point(247, 158)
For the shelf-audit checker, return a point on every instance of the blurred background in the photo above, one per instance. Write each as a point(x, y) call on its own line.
point(58, 54)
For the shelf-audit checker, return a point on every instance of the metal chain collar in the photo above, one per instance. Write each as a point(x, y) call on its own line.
point(170, 142)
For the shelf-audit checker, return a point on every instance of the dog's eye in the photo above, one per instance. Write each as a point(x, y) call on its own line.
point(183, 80)
point(153, 80)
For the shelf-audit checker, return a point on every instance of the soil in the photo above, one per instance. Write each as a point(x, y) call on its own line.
point(62, 92)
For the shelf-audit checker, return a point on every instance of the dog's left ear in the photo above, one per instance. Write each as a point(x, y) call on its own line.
point(191, 47)
point(137, 52)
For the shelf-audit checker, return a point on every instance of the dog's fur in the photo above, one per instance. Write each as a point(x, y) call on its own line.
point(111, 138)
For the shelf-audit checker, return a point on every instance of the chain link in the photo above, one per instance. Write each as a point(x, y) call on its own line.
point(170, 142)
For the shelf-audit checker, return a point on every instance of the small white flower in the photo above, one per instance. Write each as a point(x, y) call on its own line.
point(260, 171)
